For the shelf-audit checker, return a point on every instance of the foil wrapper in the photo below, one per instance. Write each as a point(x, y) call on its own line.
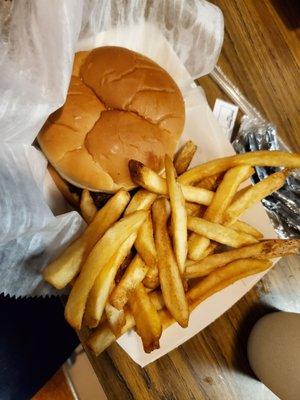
point(283, 206)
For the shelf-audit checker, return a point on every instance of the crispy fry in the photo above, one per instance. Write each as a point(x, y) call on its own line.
point(178, 215)
point(151, 181)
point(64, 268)
point(272, 248)
point(226, 191)
point(221, 200)
point(194, 210)
point(184, 156)
point(145, 247)
point(255, 158)
point(254, 194)
point(115, 318)
point(87, 206)
point(211, 182)
point(97, 259)
point(225, 276)
point(63, 186)
point(219, 233)
point(242, 226)
point(142, 200)
point(134, 275)
point(100, 291)
point(147, 321)
point(169, 275)
point(103, 337)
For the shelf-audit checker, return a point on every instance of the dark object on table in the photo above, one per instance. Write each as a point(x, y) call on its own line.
point(35, 341)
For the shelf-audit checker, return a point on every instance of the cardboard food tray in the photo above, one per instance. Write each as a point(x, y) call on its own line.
point(203, 129)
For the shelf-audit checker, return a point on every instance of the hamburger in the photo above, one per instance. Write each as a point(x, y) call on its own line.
point(120, 106)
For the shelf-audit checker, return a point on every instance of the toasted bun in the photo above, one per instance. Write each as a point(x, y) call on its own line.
point(120, 106)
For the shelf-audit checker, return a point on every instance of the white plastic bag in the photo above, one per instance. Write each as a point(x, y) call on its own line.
point(38, 39)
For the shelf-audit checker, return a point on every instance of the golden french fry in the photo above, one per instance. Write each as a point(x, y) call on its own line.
point(225, 276)
point(242, 226)
point(103, 337)
point(272, 248)
point(178, 215)
point(215, 282)
point(100, 291)
point(184, 156)
point(145, 247)
point(154, 183)
point(169, 275)
point(97, 259)
point(211, 182)
point(87, 206)
point(194, 210)
point(64, 268)
point(255, 158)
point(219, 233)
point(134, 274)
point(221, 200)
point(115, 318)
point(226, 191)
point(72, 197)
point(147, 321)
point(254, 194)
point(142, 200)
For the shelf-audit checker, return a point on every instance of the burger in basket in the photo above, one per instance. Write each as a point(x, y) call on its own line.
point(151, 255)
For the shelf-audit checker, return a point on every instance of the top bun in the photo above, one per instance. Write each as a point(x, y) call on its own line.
point(120, 106)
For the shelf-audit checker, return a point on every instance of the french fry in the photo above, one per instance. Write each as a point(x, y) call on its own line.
point(197, 246)
point(100, 291)
point(103, 337)
point(194, 210)
point(221, 200)
point(96, 260)
point(72, 197)
point(211, 182)
point(225, 276)
point(178, 215)
point(150, 180)
point(142, 200)
point(272, 248)
point(226, 191)
point(169, 275)
point(254, 158)
point(242, 226)
point(64, 268)
point(219, 233)
point(145, 247)
point(115, 318)
point(87, 206)
point(216, 282)
point(147, 321)
point(254, 194)
point(134, 274)
point(184, 156)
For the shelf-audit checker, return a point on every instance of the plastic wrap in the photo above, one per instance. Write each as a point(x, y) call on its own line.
point(38, 39)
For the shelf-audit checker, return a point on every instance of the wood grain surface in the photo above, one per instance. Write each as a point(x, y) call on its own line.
point(261, 56)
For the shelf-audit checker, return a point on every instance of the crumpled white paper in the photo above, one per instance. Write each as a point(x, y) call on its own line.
point(38, 39)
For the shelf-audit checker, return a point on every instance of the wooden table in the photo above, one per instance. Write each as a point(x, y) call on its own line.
point(261, 56)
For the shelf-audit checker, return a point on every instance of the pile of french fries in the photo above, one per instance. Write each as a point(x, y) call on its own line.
point(149, 260)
